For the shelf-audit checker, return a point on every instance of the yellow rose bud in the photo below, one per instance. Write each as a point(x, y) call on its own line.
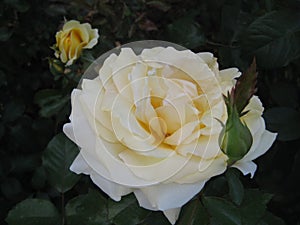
point(72, 39)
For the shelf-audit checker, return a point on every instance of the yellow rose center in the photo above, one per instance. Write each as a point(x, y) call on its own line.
point(174, 103)
point(72, 42)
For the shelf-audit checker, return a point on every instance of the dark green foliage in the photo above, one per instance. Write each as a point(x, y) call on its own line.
point(275, 34)
point(57, 159)
point(89, 209)
point(222, 211)
point(36, 186)
point(94, 209)
point(194, 213)
point(236, 189)
point(127, 211)
point(33, 212)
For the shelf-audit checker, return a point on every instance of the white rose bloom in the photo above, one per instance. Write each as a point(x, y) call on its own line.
point(148, 125)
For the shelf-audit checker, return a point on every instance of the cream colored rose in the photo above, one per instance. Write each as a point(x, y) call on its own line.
point(148, 125)
point(72, 39)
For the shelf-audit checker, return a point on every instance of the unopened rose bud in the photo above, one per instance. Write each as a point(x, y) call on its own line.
point(56, 66)
point(72, 39)
point(235, 138)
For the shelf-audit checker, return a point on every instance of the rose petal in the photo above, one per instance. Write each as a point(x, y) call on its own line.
point(210, 60)
point(113, 190)
point(170, 116)
point(138, 82)
point(96, 153)
point(92, 34)
point(79, 165)
point(107, 155)
point(84, 135)
point(181, 134)
point(167, 196)
point(174, 168)
point(206, 147)
point(172, 214)
point(69, 131)
point(71, 24)
point(198, 170)
point(227, 78)
point(229, 75)
point(153, 169)
point(266, 141)
point(105, 72)
point(254, 107)
point(246, 167)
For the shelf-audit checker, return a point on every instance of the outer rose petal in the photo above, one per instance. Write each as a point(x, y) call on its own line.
point(262, 139)
point(266, 142)
point(246, 167)
point(93, 35)
point(94, 150)
point(245, 164)
point(172, 214)
point(68, 130)
point(167, 197)
point(113, 190)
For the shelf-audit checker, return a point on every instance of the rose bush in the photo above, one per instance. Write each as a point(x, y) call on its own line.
point(72, 39)
point(150, 123)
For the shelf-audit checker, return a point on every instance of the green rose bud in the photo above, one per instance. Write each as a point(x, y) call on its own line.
point(56, 67)
point(235, 139)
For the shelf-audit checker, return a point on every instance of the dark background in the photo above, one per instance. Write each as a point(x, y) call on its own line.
point(234, 30)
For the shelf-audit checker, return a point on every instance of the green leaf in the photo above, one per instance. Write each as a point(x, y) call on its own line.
point(254, 206)
point(270, 219)
point(57, 159)
point(187, 32)
point(88, 209)
point(236, 189)
point(222, 211)
point(217, 186)
point(193, 214)
point(51, 102)
point(127, 211)
point(33, 212)
point(155, 217)
point(274, 38)
point(285, 121)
